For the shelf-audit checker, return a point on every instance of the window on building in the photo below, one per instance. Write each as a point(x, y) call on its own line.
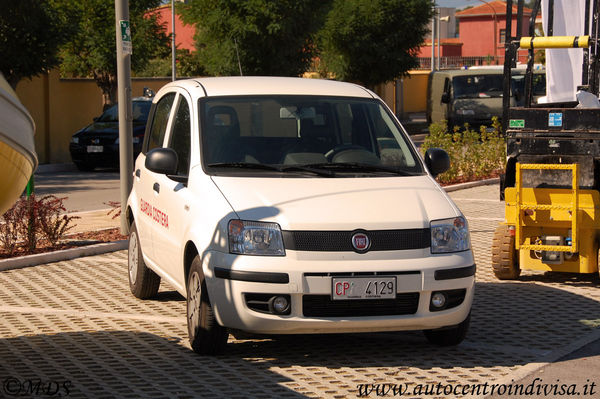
point(502, 35)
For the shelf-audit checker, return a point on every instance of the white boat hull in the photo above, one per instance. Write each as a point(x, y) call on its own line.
point(18, 159)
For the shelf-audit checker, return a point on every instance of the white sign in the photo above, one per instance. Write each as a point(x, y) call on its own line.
point(126, 36)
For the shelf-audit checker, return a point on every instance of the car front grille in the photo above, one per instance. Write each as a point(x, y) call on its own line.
point(336, 241)
point(324, 306)
point(97, 140)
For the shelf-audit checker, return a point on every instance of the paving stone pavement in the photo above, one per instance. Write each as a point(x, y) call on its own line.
point(74, 327)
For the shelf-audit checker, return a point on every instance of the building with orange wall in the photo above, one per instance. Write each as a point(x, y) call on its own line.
point(184, 34)
point(482, 29)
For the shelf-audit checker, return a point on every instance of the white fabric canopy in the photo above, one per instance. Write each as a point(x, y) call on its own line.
point(564, 66)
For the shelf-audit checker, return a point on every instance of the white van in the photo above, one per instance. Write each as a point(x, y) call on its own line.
point(288, 205)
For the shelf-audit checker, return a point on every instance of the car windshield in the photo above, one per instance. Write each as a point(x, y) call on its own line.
point(477, 86)
point(304, 135)
point(140, 111)
point(539, 84)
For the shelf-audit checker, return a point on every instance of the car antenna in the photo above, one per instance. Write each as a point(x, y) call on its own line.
point(238, 56)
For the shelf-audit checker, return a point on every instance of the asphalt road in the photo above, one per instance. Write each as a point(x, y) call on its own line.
point(84, 191)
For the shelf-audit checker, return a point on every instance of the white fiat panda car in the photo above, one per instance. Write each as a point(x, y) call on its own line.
point(291, 206)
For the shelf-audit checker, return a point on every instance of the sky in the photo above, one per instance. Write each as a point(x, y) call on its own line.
point(457, 3)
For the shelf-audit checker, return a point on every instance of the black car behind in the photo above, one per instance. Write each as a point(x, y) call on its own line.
point(97, 145)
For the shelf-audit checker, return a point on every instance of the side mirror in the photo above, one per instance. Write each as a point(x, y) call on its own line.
point(162, 160)
point(437, 161)
point(446, 98)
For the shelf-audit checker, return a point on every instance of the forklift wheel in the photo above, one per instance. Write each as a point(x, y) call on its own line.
point(505, 261)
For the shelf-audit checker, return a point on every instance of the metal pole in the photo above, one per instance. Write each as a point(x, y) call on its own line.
point(124, 50)
point(433, 41)
point(508, 58)
point(173, 47)
point(439, 36)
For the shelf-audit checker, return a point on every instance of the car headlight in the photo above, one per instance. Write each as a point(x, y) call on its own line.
point(255, 238)
point(465, 112)
point(450, 235)
point(75, 140)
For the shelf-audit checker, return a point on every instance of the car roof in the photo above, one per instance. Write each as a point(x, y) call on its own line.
point(263, 85)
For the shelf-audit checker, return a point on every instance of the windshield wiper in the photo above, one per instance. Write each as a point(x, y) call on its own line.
point(243, 165)
point(361, 167)
point(308, 168)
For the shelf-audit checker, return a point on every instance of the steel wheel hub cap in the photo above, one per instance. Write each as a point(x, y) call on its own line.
point(133, 257)
point(194, 298)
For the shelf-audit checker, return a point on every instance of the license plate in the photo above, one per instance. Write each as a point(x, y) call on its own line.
point(95, 148)
point(380, 287)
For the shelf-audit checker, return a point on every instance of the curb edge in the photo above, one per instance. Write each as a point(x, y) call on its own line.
point(478, 183)
point(65, 254)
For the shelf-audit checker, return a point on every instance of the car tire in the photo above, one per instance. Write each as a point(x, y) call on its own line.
point(505, 258)
point(449, 336)
point(206, 336)
point(143, 282)
point(84, 166)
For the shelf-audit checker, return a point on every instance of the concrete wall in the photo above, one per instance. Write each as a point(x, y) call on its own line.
point(406, 95)
point(60, 107)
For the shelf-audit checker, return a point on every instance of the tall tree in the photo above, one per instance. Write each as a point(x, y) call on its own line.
point(92, 51)
point(31, 31)
point(373, 41)
point(266, 37)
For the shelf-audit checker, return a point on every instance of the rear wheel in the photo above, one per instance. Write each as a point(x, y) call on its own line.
point(143, 282)
point(449, 336)
point(505, 258)
point(206, 336)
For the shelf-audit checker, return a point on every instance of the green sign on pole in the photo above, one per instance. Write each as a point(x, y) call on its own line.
point(126, 36)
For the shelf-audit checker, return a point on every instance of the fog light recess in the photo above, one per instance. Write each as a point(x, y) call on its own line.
point(279, 305)
point(448, 299)
point(438, 301)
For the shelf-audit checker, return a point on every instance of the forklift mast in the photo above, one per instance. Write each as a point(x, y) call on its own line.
point(551, 133)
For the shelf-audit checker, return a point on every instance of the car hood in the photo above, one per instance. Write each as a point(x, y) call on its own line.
point(110, 128)
point(380, 203)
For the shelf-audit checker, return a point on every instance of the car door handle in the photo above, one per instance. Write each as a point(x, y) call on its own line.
point(156, 187)
point(137, 173)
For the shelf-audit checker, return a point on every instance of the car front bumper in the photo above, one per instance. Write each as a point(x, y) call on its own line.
point(108, 157)
point(230, 278)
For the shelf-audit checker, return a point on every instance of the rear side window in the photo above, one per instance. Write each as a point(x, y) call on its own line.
point(159, 121)
point(180, 138)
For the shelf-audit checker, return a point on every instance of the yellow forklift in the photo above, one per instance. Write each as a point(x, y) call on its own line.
point(551, 184)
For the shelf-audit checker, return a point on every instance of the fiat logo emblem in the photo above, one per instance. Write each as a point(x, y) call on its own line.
point(361, 242)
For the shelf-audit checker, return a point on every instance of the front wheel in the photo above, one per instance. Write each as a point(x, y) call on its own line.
point(143, 282)
point(505, 258)
point(449, 336)
point(206, 336)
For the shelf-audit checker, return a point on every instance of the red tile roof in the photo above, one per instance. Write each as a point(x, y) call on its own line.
point(498, 6)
